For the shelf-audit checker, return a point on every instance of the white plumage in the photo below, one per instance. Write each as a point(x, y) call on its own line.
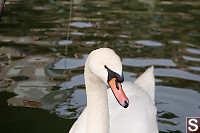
point(139, 117)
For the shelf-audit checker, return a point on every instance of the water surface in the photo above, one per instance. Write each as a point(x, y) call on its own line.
point(41, 79)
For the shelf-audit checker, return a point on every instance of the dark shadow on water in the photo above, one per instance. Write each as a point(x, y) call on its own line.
point(29, 120)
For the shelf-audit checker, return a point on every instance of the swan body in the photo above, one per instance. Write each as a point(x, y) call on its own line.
point(103, 113)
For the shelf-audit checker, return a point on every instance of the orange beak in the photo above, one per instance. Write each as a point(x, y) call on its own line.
point(118, 92)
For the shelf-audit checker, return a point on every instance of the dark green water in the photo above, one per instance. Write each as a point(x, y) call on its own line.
point(29, 120)
point(33, 36)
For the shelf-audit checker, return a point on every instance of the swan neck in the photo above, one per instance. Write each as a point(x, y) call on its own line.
point(97, 104)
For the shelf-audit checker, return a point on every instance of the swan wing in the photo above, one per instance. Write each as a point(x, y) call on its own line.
point(147, 82)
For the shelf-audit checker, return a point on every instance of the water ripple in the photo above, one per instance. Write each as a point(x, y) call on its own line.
point(143, 32)
point(149, 43)
point(147, 62)
point(65, 42)
point(194, 68)
point(189, 58)
point(70, 63)
point(193, 51)
point(174, 100)
point(81, 24)
point(74, 107)
point(177, 73)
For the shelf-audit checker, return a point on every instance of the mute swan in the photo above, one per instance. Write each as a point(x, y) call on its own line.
point(103, 113)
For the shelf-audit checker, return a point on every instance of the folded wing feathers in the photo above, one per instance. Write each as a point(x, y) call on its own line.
point(147, 82)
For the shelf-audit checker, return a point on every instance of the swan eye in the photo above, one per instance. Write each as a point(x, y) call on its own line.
point(112, 74)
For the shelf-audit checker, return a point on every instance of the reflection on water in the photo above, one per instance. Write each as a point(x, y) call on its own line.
point(174, 101)
point(148, 43)
point(33, 64)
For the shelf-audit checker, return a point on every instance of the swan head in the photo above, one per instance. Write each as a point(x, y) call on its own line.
point(106, 64)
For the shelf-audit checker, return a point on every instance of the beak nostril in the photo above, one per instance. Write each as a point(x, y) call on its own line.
point(116, 83)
